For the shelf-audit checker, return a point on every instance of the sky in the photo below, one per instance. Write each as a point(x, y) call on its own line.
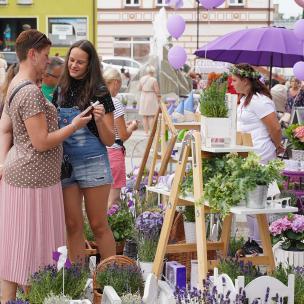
point(289, 8)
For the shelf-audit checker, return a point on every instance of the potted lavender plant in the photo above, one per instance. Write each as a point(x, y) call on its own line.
point(148, 226)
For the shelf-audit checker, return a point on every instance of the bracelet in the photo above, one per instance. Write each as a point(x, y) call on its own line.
point(74, 127)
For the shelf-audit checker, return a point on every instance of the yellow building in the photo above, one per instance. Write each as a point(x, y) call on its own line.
point(63, 21)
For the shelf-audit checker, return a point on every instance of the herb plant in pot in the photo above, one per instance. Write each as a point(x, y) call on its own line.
point(189, 224)
point(215, 123)
point(295, 135)
point(258, 177)
point(148, 226)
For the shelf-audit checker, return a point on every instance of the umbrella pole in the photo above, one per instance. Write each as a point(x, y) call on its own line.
point(270, 73)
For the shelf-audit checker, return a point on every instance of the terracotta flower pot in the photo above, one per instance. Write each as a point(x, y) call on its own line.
point(120, 247)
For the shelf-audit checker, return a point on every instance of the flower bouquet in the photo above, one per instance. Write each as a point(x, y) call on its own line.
point(290, 231)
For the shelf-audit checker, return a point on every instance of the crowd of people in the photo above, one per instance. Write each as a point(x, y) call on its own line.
point(58, 151)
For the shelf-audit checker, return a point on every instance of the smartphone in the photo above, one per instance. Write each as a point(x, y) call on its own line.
point(89, 110)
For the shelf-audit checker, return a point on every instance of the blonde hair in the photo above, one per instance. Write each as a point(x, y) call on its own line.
point(111, 74)
point(150, 69)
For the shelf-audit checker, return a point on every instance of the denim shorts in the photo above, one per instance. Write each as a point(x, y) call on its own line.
point(86, 153)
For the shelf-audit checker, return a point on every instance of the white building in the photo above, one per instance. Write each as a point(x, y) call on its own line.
point(125, 26)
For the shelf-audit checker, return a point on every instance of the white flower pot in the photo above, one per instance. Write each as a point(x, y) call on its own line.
point(190, 232)
point(146, 268)
point(297, 155)
point(213, 129)
point(292, 258)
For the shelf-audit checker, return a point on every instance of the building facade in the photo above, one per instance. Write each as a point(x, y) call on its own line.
point(124, 27)
point(64, 22)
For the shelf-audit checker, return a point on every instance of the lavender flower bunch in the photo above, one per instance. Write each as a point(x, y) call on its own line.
point(148, 226)
point(210, 295)
point(289, 230)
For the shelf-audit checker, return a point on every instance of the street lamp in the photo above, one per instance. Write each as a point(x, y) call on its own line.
point(197, 23)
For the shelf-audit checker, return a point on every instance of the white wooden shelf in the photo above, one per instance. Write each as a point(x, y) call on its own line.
point(228, 149)
point(273, 208)
point(223, 149)
point(240, 210)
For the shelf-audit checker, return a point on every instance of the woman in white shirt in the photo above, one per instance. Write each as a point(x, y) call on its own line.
point(256, 112)
point(256, 115)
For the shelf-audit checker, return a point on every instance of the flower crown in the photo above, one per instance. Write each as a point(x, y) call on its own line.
point(248, 74)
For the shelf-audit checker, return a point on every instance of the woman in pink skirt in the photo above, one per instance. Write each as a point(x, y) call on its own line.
point(31, 203)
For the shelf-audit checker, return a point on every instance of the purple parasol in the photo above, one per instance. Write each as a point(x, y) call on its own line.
point(266, 46)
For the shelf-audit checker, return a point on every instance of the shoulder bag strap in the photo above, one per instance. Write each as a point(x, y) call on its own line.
point(16, 90)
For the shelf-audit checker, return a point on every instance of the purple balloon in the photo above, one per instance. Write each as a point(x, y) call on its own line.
point(175, 3)
point(210, 4)
point(176, 26)
point(299, 29)
point(177, 57)
point(298, 70)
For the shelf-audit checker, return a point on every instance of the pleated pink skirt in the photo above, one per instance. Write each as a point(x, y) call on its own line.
point(31, 227)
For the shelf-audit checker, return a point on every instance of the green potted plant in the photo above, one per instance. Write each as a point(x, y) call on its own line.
point(123, 278)
point(215, 123)
point(189, 224)
point(49, 281)
point(121, 221)
point(295, 135)
point(258, 177)
point(236, 181)
point(148, 226)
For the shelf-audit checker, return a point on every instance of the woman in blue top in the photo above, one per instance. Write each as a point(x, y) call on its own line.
point(80, 85)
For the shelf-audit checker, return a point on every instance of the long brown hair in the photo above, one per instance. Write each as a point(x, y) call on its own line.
point(93, 79)
point(10, 74)
point(256, 86)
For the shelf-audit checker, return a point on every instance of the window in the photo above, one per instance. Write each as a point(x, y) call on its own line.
point(132, 2)
point(161, 3)
point(25, 2)
point(137, 48)
point(236, 2)
point(3, 2)
point(65, 31)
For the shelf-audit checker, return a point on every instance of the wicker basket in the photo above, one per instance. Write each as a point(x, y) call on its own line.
point(91, 248)
point(97, 297)
point(118, 259)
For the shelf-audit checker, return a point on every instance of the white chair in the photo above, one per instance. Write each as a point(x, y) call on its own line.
point(257, 288)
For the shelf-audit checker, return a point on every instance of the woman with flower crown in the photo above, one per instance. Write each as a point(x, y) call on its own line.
point(256, 112)
point(256, 115)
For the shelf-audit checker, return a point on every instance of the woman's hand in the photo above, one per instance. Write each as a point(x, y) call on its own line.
point(99, 113)
point(80, 121)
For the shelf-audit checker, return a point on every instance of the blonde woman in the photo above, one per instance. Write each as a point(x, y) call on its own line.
point(123, 131)
point(148, 104)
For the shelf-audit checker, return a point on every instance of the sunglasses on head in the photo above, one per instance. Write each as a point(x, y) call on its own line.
point(38, 40)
